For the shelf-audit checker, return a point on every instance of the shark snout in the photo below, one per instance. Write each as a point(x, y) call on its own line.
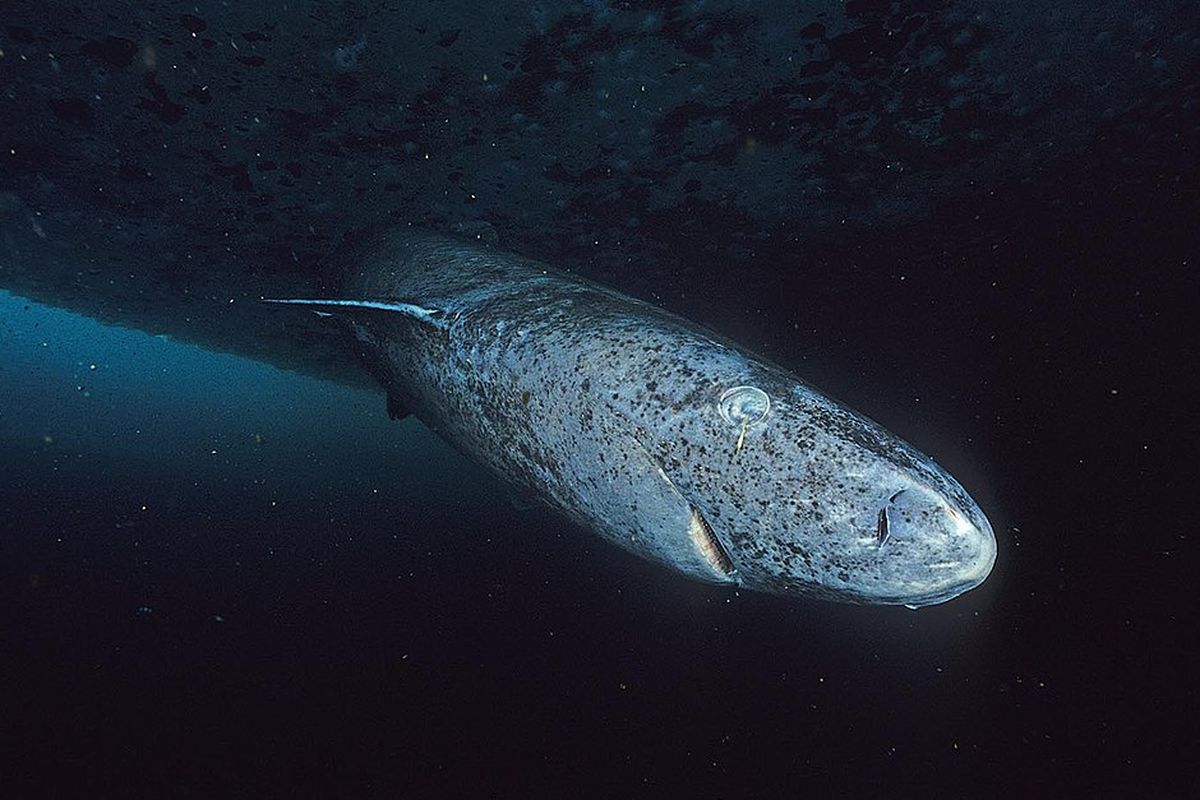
point(931, 548)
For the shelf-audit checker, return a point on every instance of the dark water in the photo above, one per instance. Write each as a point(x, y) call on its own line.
point(222, 579)
point(218, 576)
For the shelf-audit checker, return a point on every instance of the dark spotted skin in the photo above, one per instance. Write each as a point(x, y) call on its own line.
point(607, 408)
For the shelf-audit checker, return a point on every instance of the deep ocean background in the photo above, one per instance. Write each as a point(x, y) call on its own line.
point(219, 578)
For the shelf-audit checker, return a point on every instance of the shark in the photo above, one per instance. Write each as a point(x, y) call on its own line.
point(656, 433)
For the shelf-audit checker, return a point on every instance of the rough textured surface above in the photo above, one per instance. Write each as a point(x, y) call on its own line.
point(158, 168)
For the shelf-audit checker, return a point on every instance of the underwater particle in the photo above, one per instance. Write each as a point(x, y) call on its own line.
point(346, 56)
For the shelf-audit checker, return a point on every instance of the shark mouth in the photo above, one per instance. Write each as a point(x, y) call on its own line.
point(709, 546)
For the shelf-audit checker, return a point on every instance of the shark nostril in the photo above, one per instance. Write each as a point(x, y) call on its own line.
point(883, 524)
point(881, 527)
point(886, 525)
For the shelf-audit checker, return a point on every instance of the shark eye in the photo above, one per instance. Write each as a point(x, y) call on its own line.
point(744, 405)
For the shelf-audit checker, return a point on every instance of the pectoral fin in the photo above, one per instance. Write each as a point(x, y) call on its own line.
point(396, 408)
point(414, 310)
point(708, 545)
point(664, 522)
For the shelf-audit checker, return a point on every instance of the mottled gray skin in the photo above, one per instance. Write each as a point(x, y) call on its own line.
point(607, 407)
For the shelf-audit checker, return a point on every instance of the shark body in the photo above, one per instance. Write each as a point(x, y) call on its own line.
point(656, 433)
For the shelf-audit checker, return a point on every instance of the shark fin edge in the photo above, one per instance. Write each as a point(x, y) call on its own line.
point(329, 306)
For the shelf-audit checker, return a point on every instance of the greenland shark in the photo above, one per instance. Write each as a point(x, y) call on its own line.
point(658, 434)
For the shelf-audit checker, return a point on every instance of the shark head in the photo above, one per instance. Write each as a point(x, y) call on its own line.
point(799, 495)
